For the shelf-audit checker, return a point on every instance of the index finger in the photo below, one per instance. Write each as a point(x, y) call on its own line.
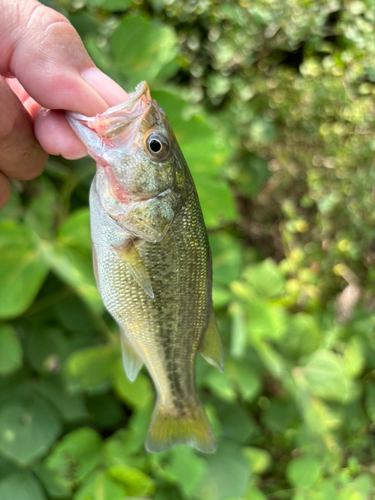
point(44, 52)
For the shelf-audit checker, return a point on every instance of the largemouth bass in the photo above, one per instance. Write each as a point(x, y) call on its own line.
point(152, 261)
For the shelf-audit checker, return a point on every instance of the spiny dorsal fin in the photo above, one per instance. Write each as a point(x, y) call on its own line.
point(212, 347)
point(129, 253)
point(130, 359)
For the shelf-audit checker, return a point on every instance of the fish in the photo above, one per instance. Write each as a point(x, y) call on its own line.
point(152, 261)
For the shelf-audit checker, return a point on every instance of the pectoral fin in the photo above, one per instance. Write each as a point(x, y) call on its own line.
point(130, 359)
point(129, 253)
point(212, 347)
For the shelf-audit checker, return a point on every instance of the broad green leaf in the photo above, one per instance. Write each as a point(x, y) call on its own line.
point(137, 394)
point(42, 210)
point(44, 348)
point(111, 5)
point(22, 268)
point(266, 320)
point(74, 457)
point(27, 430)
point(186, 468)
point(142, 48)
point(227, 475)
point(326, 376)
point(303, 335)
point(226, 258)
point(303, 472)
point(75, 232)
point(259, 459)
point(71, 406)
point(134, 481)
point(265, 278)
point(236, 422)
point(52, 483)
point(21, 486)
point(370, 401)
point(10, 350)
point(220, 385)
point(239, 330)
point(244, 378)
point(105, 410)
point(100, 487)
point(75, 269)
point(91, 368)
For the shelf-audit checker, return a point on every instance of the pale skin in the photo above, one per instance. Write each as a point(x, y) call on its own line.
point(44, 69)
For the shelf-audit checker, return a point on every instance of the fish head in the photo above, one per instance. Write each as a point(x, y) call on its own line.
point(134, 147)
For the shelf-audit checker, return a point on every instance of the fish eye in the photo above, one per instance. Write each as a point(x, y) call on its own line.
point(157, 146)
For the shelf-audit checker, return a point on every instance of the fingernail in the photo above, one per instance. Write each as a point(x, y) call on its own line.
point(109, 90)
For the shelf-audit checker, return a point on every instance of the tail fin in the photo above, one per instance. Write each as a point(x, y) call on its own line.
point(171, 428)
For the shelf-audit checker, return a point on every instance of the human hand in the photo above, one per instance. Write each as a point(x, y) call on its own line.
point(45, 69)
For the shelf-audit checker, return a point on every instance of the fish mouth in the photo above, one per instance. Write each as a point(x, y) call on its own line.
point(115, 120)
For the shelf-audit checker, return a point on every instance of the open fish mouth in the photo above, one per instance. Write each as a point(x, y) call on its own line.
point(115, 120)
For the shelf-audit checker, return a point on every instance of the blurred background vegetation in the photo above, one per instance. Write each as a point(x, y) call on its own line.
point(273, 104)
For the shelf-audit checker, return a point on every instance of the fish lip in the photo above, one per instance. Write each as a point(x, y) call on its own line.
point(116, 119)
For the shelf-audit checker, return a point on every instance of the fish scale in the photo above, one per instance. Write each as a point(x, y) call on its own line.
point(152, 261)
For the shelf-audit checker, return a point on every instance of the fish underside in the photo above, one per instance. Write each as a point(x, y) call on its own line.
point(152, 261)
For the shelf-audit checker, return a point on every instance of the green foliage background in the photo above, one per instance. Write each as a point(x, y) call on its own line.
point(273, 104)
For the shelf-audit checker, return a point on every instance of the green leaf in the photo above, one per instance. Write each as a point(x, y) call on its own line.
point(245, 378)
point(41, 212)
point(75, 269)
point(260, 460)
point(70, 406)
point(74, 457)
point(134, 481)
point(137, 394)
point(226, 258)
point(91, 368)
point(10, 350)
point(304, 335)
point(75, 232)
point(142, 48)
point(111, 5)
point(266, 320)
point(236, 422)
point(105, 410)
point(303, 472)
point(265, 278)
point(21, 486)
point(326, 376)
point(186, 468)
point(228, 473)
point(27, 430)
point(370, 401)
point(22, 268)
point(44, 348)
point(100, 487)
point(220, 385)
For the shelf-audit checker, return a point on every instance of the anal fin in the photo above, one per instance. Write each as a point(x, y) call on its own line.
point(129, 253)
point(130, 359)
point(212, 347)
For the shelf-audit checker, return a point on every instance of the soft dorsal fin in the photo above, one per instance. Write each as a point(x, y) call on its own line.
point(129, 253)
point(130, 359)
point(212, 347)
